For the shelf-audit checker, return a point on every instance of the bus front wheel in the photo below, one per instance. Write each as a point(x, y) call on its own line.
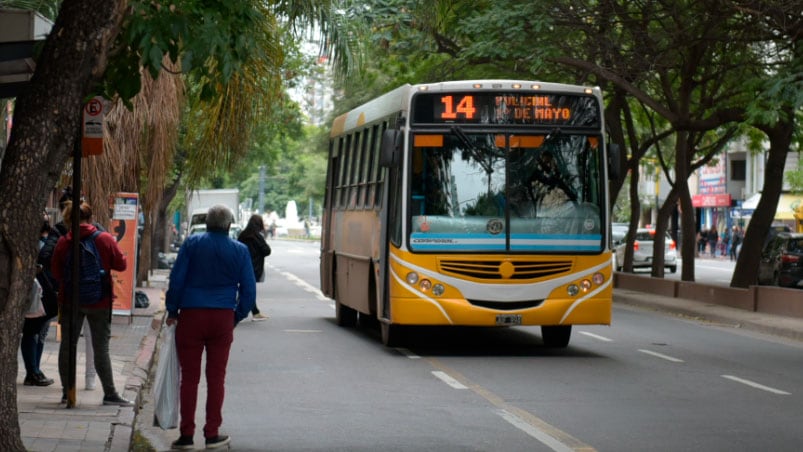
point(344, 315)
point(391, 334)
point(556, 336)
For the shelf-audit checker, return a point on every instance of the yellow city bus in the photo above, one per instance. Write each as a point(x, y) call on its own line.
point(474, 203)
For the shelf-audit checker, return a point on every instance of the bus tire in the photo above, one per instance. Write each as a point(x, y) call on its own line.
point(556, 336)
point(344, 315)
point(391, 334)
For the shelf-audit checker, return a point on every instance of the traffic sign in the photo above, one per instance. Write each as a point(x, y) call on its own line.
point(92, 127)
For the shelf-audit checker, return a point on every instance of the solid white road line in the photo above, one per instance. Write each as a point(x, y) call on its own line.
point(753, 384)
point(660, 355)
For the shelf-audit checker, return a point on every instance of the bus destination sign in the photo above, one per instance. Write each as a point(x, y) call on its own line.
point(505, 108)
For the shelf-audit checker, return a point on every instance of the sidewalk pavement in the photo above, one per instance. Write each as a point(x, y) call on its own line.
point(48, 426)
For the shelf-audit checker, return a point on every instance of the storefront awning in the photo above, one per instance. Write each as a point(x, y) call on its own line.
point(787, 206)
point(751, 202)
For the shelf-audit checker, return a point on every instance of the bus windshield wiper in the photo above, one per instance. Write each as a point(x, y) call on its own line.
point(478, 154)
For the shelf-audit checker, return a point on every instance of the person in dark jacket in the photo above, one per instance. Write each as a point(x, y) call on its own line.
point(212, 288)
point(97, 314)
point(36, 327)
point(713, 239)
point(252, 237)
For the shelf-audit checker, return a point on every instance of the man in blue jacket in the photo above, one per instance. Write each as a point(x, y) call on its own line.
point(212, 288)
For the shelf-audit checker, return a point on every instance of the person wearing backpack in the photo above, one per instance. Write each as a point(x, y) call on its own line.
point(59, 230)
point(100, 254)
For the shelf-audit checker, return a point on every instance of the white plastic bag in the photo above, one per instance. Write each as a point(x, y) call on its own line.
point(35, 309)
point(166, 384)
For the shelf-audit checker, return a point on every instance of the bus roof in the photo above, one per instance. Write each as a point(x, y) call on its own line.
point(398, 99)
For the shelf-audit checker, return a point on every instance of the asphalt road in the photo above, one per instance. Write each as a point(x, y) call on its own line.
point(298, 382)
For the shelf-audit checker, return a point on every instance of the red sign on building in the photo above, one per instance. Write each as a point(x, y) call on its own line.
point(714, 200)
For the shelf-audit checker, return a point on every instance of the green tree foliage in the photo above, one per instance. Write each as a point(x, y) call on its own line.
point(687, 68)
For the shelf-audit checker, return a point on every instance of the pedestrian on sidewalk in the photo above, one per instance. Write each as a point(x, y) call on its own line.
point(252, 237)
point(212, 288)
point(37, 325)
point(56, 232)
point(713, 238)
point(97, 312)
point(736, 241)
point(702, 239)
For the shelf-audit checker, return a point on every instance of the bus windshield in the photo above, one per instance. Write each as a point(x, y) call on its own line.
point(498, 192)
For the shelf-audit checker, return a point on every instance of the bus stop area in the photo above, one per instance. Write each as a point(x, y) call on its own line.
point(47, 425)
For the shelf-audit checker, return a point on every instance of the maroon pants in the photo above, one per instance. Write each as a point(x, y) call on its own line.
point(199, 329)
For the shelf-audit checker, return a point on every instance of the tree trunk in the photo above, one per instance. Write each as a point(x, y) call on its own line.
point(780, 136)
point(46, 120)
point(635, 213)
point(161, 234)
point(146, 238)
point(688, 245)
point(661, 227)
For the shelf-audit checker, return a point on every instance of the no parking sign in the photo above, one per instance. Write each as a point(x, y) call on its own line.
point(92, 126)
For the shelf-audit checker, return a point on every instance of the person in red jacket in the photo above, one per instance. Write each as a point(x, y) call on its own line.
point(98, 314)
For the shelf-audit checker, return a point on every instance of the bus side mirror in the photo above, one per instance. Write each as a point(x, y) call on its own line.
point(389, 152)
point(614, 162)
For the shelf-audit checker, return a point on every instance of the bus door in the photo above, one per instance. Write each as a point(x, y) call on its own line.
point(327, 219)
point(390, 214)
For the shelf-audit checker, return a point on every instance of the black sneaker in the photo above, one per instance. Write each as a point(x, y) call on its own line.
point(217, 441)
point(29, 380)
point(183, 442)
point(115, 399)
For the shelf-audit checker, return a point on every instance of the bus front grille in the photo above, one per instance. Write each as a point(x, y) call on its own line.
point(504, 269)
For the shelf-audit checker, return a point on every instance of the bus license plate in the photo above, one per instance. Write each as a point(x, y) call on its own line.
point(508, 319)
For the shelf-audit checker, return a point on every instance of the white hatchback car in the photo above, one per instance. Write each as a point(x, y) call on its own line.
point(642, 251)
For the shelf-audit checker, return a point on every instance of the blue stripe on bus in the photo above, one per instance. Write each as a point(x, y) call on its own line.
point(518, 242)
point(546, 237)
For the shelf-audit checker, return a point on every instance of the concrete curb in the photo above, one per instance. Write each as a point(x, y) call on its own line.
point(138, 379)
point(776, 325)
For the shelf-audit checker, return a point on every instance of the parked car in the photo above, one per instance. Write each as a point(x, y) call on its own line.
point(618, 233)
point(197, 229)
point(618, 236)
point(165, 261)
point(642, 251)
point(775, 228)
point(781, 262)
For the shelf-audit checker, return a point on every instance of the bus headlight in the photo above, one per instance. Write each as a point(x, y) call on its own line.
point(573, 290)
point(425, 285)
point(412, 278)
point(438, 290)
point(598, 279)
point(585, 285)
